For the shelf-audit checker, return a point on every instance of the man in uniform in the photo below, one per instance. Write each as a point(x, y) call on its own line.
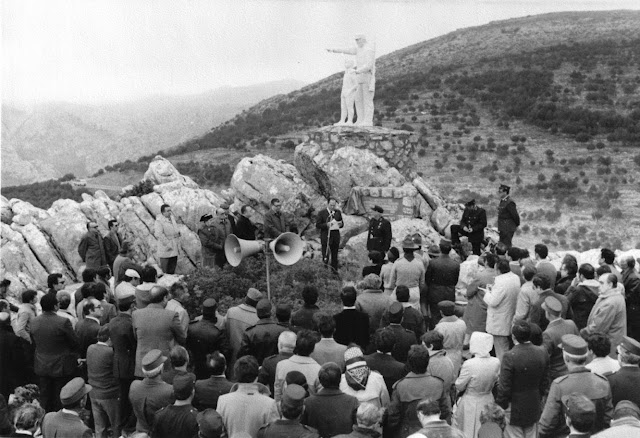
point(261, 340)
point(91, 247)
point(380, 236)
point(579, 380)
point(472, 225)
point(204, 337)
point(223, 228)
point(329, 223)
point(291, 407)
point(508, 217)
point(580, 415)
point(210, 242)
point(552, 336)
point(625, 383)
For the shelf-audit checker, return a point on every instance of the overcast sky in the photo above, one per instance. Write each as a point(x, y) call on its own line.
point(100, 50)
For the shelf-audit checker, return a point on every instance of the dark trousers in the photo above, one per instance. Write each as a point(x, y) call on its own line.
point(127, 418)
point(220, 258)
point(330, 254)
point(457, 231)
point(168, 265)
point(50, 388)
point(505, 237)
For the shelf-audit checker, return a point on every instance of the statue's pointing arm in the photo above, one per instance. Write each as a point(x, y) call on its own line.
point(351, 51)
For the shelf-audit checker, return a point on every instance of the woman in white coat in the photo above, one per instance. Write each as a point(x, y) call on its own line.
point(477, 378)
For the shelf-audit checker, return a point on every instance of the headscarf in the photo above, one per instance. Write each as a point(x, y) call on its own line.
point(357, 371)
point(480, 344)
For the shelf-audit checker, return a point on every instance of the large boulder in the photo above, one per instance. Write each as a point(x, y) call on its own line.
point(18, 263)
point(6, 213)
point(161, 171)
point(334, 172)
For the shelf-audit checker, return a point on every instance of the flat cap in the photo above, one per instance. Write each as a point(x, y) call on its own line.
point(447, 307)
point(183, 385)
point(378, 209)
point(254, 294)
point(74, 391)
point(211, 424)
point(210, 303)
point(153, 360)
point(631, 345)
point(574, 344)
point(293, 396)
point(131, 273)
point(395, 308)
point(205, 217)
point(263, 308)
point(579, 405)
point(553, 304)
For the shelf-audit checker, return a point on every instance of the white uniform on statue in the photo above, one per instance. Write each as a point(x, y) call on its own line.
point(366, 78)
point(348, 95)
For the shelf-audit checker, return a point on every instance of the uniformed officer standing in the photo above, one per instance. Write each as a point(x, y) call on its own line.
point(261, 340)
point(580, 415)
point(291, 407)
point(205, 337)
point(508, 217)
point(579, 380)
point(472, 225)
point(208, 240)
point(380, 235)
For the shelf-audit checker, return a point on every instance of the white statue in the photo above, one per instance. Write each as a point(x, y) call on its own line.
point(366, 78)
point(348, 95)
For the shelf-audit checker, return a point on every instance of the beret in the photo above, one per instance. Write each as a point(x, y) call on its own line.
point(210, 303)
point(254, 294)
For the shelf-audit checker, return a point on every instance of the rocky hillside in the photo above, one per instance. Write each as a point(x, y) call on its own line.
point(54, 139)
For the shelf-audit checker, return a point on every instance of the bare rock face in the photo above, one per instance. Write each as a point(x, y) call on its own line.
point(6, 213)
point(161, 171)
point(259, 179)
point(18, 262)
point(334, 172)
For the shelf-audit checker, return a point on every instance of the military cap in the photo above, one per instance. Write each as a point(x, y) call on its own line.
point(470, 203)
point(293, 396)
point(447, 307)
point(210, 303)
point(74, 391)
point(211, 424)
point(417, 239)
point(631, 345)
point(505, 188)
point(127, 299)
point(553, 304)
point(434, 250)
point(131, 273)
point(254, 294)
point(626, 408)
point(408, 243)
point(183, 385)
point(205, 217)
point(395, 308)
point(378, 209)
point(153, 360)
point(263, 308)
point(579, 405)
point(574, 344)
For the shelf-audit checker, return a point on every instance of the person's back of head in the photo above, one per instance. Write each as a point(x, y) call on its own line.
point(393, 254)
point(310, 295)
point(287, 341)
point(330, 375)
point(98, 291)
point(217, 363)
point(587, 271)
point(502, 266)
point(179, 356)
point(104, 272)
point(28, 417)
point(348, 296)
point(608, 256)
point(48, 302)
point(384, 340)
point(445, 247)
point(428, 406)
point(433, 340)
point(149, 274)
point(157, 294)
point(418, 359)
point(521, 331)
point(528, 272)
point(402, 293)
point(103, 333)
point(599, 344)
point(283, 313)
point(604, 269)
point(376, 257)
point(490, 260)
point(28, 295)
point(541, 250)
point(514, 253)
point(90, 306)
point(541, 281)
point(295, 377)
point(369, 415)
point(64, 300)
point(246, 369)
point(501, 249)
point(89, 275)
point(305, 343)
point(325, 323)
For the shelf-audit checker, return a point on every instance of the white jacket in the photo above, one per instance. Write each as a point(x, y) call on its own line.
point(501, 301)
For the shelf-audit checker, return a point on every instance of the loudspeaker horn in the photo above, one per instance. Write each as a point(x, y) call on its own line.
point(236, 249)
point(287, 248)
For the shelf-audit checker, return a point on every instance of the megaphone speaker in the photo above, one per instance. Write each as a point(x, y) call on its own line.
point(236, 249)
point(287, 248)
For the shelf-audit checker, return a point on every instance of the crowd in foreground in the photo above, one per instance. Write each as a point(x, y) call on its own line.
point(531, 352)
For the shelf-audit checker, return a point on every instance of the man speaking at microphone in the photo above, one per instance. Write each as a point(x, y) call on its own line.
point(329, 223)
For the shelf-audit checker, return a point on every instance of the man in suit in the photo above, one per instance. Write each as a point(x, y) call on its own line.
point(351, 324)
point(508, 217)
point(244, 227)
point(91, 247)
point(124, 360)
point(156, 327)
point(261, 340)
point(204, 337)
point(327, 349)
point(12, 359)
point(286, 344)
point(275, 222)
point(552, 336)
point(382, 361)
point(329, 222)
point(112, 243)
point(404, 338)
point(631, 281)
point(210, 389)
point(523, 374)
point(88, 327)
point(56, 352)
point(626, 381)
point(66, 422)
point(441, 279)
point(380, 235)
point(124, 261)
point(472, 225)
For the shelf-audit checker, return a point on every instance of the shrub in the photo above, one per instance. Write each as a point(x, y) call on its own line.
point(599, 145)
point(142, 188)
point(591, 147)
point(422, 153)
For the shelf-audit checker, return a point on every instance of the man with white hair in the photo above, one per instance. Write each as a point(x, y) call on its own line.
point(631, 281)
point(286, 344)
point(128, 285)
point(609, 314)
point(366, 78)
point(368, 417)
point(626, 381)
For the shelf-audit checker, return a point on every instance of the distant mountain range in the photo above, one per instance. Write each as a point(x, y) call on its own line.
point(54, 139)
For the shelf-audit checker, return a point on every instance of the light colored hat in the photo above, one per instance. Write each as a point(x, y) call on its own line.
point(480, 344)
point(131, 273)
